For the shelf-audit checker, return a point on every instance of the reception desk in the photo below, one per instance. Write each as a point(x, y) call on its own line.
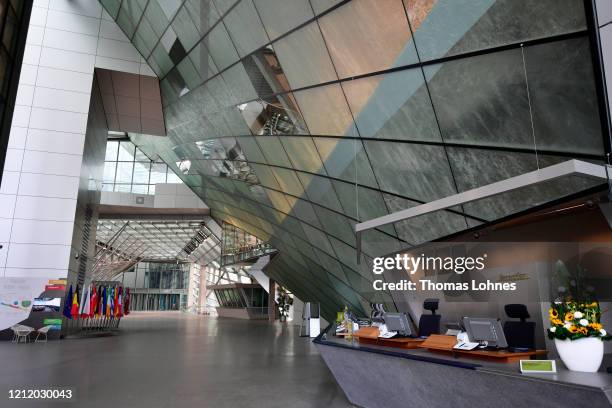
point(374, 376)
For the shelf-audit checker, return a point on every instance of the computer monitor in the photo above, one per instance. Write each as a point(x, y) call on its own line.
point(398, 322)
point(484, 330)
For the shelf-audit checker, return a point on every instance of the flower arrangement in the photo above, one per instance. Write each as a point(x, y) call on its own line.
point(575, 320)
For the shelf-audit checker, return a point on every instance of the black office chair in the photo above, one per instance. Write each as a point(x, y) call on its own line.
point(378, 312)
point(522, 333)
point(429, 324)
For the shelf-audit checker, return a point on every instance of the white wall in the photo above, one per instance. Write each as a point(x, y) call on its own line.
point(66, 40)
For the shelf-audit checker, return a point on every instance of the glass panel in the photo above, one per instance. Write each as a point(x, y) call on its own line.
point(185, 29)
point(446, 28)
point(304, 58)
point(320, 190)
point(220, 47)
point(160, 12)
point(140, 188)
point(111, 150)
point(281, 16)
point(317, 104)
point(395, 105)
point(112, 7)
point(109, 172)
point(158, 173)
point(203, 14)
point(320, 6)
point(416, 171)
point(239, 84)
point(339, 155)
point(245, 28)
point(370, 203)
point(202, 61)
point(303, 154)
point(288, 181)
point(145, 38)
point(141, 173)
point(273, 150)
point(126, 151)
point(124, 172)
point(366, 36)
point(482, 100)
point(251, 149)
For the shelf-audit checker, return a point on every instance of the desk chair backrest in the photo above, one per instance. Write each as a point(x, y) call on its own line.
point(521, 333)
point(378, 312)
point(429, 323)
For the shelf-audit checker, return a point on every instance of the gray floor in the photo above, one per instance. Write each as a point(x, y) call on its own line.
point(170, 359)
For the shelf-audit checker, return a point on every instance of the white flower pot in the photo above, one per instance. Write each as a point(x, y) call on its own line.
point(583, 354)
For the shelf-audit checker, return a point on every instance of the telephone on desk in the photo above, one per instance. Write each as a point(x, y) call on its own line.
point(384, 333)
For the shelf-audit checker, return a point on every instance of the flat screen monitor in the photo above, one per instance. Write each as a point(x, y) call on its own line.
point(487, 331)
point(398, 322)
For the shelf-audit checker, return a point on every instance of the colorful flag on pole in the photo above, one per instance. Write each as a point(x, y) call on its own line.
point(68, 304)
point(93, 307)
point(85, 302)
point(116, 302)
point(119, 310)
point(74, 310)
point(107, 312)
point(103, 300)
point(126, 302)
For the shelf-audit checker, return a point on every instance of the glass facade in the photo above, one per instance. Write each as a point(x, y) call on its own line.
point(337, 112)
point(127, 169)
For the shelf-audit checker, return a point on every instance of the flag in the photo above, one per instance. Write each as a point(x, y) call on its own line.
point(103, 302)
point(116, 302)
point(107, 312)
point(85, 302)
point(126, 302)
point(93, 306)
point(119, 308)
point(68, 304)
point(74, 310)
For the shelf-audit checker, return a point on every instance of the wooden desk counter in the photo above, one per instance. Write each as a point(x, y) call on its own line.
point(401, 342)
point(444, 344)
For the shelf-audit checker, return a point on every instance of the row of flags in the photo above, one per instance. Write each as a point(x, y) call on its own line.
point(97, 301)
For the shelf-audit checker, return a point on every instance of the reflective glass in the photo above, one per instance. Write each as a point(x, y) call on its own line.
point(395, 105)
point(112, 148)
point(129, 15)
point(367, 36)
point(203, 13)
point(160, 12)
point(416, 171)
point(320, 6)
point(185, 29)
point(273, 150)
point(316, 105)
point(303, 154)
point(202, 61)
point(158, 173)
point(362, 203)
point(109, 172)
point(288, 181)
point(124, 172)
point(346, 159)
point(449, 27)
point(320, 190)
point(141, 173)
point(245, 28)
point(281, 16)
point(145, 38)
point(220, 47)
point(126, 151)
point(304, 58)
point(336, 224)
point(251, 149)
point(239, 84)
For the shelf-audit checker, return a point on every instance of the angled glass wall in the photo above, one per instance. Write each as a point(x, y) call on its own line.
point(338, 112)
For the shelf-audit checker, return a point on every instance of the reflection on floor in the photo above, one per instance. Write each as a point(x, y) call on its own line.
point(171, 359)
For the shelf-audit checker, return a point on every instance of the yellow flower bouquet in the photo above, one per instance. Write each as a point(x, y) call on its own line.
point(575, 320)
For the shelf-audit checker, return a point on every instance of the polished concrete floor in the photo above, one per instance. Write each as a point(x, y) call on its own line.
point(171, 359)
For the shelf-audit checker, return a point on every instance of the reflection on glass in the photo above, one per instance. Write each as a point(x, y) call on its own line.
point(303, 154)
point(446, 27)
point(326, 111)
point(245, 28)
point(304, 57)
point(368, 36)
point(393, 106)
point(281, 16)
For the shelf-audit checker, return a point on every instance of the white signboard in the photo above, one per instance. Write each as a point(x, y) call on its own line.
point(16, 298)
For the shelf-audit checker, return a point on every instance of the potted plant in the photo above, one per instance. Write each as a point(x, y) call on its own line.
point(578, 334)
